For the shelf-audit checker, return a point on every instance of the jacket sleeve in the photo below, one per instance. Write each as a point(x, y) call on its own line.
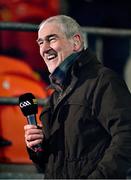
point(39, 158)
point(113, 108)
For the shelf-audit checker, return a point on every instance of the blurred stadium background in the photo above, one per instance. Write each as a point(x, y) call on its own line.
point(107, 31)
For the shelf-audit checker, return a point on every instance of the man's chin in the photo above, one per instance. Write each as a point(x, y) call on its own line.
point(51, 69)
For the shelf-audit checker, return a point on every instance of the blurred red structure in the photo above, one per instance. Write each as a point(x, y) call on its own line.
point(27, 11)
point(16, 75)
point(16, 78)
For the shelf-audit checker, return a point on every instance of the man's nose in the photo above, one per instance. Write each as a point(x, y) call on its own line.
point(45, 46)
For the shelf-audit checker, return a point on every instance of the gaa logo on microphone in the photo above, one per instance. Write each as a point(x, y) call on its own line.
point(25, 104)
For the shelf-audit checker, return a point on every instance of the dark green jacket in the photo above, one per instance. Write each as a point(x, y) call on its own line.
point(88, 126)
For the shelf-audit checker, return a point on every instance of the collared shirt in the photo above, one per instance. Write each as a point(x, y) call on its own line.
point(57, 78)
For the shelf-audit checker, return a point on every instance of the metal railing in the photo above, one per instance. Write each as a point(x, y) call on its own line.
point(93, 30)
point(18, 26)
point(15, 101)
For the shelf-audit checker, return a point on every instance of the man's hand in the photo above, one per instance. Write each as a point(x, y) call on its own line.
point(33, 135)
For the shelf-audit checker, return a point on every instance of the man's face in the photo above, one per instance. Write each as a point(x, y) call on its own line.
point(54, 45)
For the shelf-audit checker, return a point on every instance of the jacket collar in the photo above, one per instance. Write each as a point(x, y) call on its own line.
point(58, 77)
point(61, 75)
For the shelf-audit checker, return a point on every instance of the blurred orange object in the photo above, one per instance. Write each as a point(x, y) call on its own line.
point(16, 78)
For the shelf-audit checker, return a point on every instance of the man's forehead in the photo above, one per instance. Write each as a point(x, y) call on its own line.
point(51, 24)
point(46, 30)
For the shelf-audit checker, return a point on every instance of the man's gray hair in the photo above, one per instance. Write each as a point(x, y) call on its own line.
point(69, 26)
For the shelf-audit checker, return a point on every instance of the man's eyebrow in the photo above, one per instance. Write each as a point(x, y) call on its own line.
point(46, 38)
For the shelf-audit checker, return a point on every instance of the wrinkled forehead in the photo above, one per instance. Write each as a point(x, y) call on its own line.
point(50, 28)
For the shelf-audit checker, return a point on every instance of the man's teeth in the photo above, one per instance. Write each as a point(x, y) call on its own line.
point(51, 56)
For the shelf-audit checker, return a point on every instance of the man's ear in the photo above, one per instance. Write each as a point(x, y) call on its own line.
point(76, 42)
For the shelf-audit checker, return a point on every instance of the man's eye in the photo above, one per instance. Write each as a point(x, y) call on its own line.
point(52, 39)
point(40, 42)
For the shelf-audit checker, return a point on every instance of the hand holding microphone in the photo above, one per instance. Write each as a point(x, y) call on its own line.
point(33, 137)
point(33, 133)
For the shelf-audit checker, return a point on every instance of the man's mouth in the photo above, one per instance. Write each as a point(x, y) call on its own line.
point(51, 54)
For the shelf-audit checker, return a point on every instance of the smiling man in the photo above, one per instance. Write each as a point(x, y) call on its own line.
point(86, 125)
point(55, 44)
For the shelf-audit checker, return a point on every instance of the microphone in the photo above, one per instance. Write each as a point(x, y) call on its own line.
point(29, 107)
